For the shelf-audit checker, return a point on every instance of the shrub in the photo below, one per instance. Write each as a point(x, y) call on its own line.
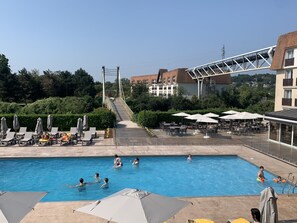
point(101, 119)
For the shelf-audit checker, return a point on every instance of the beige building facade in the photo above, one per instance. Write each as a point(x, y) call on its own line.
point(285, 65)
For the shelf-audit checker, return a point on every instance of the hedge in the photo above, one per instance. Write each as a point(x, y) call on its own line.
point(102, 119)
point(151, 119)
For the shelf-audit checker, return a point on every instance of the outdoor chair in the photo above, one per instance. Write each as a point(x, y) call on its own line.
point(73, 132)
point(21, 133)
point(3, 135)
point(9, 139)
point(87, 139)
point(54, 133)
point(28, 139)
point(93, 131)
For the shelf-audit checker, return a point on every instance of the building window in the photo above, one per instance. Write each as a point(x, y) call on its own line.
point(288, 74)
point(274, 131)
point(289, 57)
point(286, 134)
point(288, 94)
point(289, 54)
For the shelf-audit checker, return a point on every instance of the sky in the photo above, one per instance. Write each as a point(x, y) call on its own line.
point(138, 36)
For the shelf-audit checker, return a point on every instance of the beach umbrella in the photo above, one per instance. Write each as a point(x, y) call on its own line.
point(181, 114)
point(3, 126)
point(195, 116)
point(85, 123)
point(268, 206)
point(135, 206)
point(39, 127)
point(258, 115)
point(15, 123)
point(49, 122)
point(230, 112)
point(14, 206)
point(211, 115)
point(79, 126)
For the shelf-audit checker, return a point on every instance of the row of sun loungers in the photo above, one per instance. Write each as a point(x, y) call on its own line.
point(24, 138)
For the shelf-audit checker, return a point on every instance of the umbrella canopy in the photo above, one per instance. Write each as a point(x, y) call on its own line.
point(135, 206)
point(230, 112)
point(79, 126)
point(14, 206)
point(205, 119)
point(38, 127)
point(195, 116)
point(15, 123)
point(268, 206)
point(85, 123)
point(181, 114)
point(49, 122)
point(258, 115)
point(240, 116)
point(3, 126)
point(211, 115)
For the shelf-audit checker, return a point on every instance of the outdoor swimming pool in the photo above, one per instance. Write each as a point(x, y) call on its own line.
point(171, 176)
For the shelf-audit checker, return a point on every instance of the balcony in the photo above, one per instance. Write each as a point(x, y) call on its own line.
point(289, 62)
point(288, 82)
point(287, 101)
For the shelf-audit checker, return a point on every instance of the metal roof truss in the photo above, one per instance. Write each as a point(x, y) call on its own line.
point(255, 60)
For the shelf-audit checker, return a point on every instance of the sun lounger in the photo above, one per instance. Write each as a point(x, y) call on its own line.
point(28, 139)
point(21, 133)
point(93, 131)
point(9, 139)
point(73, 132)
point(87, 139)
point(3, 135)
point(54, 133)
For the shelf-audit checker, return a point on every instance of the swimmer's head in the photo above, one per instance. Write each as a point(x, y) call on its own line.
point(279, 177)
point(116, 156)
point(97, 174)
point(106, 180)
point(261, 167)
point(81, 180)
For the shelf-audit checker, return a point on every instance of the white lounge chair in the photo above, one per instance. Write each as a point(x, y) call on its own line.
point(87, 139)
point(28, 139)
point(9, 139)
point(93, 131)
point(21, 133)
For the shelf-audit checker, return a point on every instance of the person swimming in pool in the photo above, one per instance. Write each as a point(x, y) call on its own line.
point(189, 158)
point(279, 179)
point(105, 184)
point(261, 176)
point(81, 186)
point(117, 162)
point(135, 161)
point(97, 178)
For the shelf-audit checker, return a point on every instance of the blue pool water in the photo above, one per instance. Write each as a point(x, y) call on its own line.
point(171, 176)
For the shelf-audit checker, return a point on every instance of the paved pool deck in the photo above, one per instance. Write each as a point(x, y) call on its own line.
point(219, 209)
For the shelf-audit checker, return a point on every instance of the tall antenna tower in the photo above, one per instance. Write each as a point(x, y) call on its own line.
point(223, 52)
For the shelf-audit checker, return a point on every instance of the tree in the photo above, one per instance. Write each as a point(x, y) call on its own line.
point(84, 84)
point(139, 90)
point(8, 81)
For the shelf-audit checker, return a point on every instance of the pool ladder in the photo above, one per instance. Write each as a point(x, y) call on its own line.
point(292, 184)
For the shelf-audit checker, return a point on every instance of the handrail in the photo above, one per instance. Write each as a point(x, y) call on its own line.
point(127, 108)
point(109, 104)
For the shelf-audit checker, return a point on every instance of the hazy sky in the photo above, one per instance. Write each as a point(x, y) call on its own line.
point(139, 36)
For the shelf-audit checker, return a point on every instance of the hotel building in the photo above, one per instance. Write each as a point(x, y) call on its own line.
point(167, 83)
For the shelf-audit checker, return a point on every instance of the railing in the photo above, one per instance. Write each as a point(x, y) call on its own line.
point(287, 101)
point(109, 104)
point(127, 108)
point(288, 82)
